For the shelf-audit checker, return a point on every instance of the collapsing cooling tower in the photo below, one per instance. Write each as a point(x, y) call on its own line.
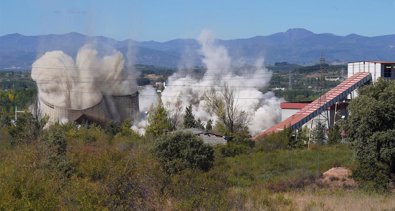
point(90, 89)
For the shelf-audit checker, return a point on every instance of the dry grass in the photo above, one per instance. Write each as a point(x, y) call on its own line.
point(340, 200)
point(310, 199)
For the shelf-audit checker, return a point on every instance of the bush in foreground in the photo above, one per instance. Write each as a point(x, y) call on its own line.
point(371, 129)
point(274, 141)
point(179, 151)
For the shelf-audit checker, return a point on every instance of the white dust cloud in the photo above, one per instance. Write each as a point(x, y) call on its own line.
point(183, 89)
point(81, 83)
point(148, 98)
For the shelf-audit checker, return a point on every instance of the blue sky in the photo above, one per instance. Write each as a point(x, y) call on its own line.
point(169, 19)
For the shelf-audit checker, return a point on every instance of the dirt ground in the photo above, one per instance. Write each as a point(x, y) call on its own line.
point(337, 177)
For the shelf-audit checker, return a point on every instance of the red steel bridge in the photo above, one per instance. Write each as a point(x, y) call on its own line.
point(337, 94)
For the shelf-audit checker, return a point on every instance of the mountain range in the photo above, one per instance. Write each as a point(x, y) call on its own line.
point(298, 46)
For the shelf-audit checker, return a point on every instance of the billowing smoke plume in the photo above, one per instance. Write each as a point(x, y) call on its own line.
point(93, 87)
point(184, 89)
point(82, 83)
point(148, 99)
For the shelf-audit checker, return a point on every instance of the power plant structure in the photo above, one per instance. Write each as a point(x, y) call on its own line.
point(359, 74)
point(92, 88)
point(110, 108)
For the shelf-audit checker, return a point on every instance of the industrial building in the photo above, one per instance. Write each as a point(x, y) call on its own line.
point(377, 69)
point(110, 108)
point(290, 108)
point(335, 100)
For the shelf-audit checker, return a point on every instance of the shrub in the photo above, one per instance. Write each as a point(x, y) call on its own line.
point(24, 183)
point(88, 134)
point(26, 129)
point(197, 190)
point(274, 141)
point(126, 131)
point(5, 119)
point(179, 151)
point(237, 146)
point(55, 144)
point(334, 136)
point(231, 150)
point(112, 128)
point(124, 192)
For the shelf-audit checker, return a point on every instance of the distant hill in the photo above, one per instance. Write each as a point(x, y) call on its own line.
point(298, 46)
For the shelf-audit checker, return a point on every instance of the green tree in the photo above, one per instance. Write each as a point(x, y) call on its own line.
point(318, 133)
point(231, 119)
point(179, 151)
point(158, 121)
point(371, 130)
point(56, 148)
point(334, 136)
point(189, 119)
point(199, 124)
point(209, 125)
point(300, 139)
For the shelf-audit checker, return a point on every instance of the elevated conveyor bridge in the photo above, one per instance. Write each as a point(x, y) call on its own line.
point(337, 94)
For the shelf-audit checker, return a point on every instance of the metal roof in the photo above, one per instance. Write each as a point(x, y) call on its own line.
point(207, 137)
point(380, 62)
point(310, 111)
point(291, 105)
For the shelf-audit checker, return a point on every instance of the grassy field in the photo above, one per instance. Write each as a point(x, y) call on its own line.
point(100, 171)
point(285, 180)
point(287, 165)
